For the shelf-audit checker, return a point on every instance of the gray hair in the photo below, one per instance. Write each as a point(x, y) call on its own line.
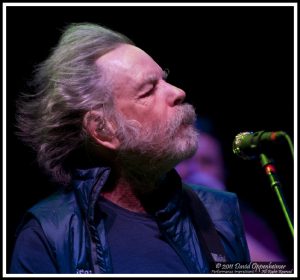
point(68, 84)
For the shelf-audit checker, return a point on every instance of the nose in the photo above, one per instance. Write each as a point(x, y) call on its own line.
point(176, 96)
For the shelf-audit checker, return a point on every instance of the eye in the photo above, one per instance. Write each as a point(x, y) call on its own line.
point(147, 92)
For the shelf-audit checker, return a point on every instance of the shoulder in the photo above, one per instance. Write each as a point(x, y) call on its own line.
point(221, 205)
point(59, 216)
point(57, 204)
point(56, 214)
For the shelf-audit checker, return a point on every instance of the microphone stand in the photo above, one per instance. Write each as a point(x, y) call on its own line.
point(270, 170)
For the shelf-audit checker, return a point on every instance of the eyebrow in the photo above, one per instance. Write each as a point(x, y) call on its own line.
point(153, 79)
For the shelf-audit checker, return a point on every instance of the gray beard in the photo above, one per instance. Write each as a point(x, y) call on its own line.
point(147, 154)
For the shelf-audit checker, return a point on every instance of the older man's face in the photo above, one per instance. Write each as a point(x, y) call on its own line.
point(142, 96)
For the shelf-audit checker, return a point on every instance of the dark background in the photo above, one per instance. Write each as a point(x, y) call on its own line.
point(235, 64)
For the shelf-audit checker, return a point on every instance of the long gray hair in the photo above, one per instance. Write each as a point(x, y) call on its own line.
point(67, 85)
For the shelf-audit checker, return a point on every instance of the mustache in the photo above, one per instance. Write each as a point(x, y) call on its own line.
point(185, 115)
point(130, 131)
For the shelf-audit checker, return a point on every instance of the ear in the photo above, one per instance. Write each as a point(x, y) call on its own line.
point(100, 130)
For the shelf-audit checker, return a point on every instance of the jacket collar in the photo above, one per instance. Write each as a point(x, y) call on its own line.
point(88, 183)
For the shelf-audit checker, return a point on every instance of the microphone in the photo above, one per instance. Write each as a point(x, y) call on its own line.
point(248, 145)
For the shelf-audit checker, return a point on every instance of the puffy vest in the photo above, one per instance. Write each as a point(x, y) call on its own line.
point(79, 243)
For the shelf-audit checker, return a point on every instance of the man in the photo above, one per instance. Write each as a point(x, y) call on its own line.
point(109, 128)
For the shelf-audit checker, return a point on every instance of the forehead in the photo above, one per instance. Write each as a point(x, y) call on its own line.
point(129, 64)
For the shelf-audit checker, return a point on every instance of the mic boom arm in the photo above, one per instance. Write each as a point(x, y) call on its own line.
point(251, 145)
point(270, 170)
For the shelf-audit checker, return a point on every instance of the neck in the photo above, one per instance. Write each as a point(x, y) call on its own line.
point(127, 191)
point(123, 195)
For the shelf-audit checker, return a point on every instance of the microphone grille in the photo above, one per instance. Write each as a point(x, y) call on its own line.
point(237, 145)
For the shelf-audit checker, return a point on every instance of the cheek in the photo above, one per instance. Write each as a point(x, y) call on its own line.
point(127, 110)
point(160, 111)
point(147, 111)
